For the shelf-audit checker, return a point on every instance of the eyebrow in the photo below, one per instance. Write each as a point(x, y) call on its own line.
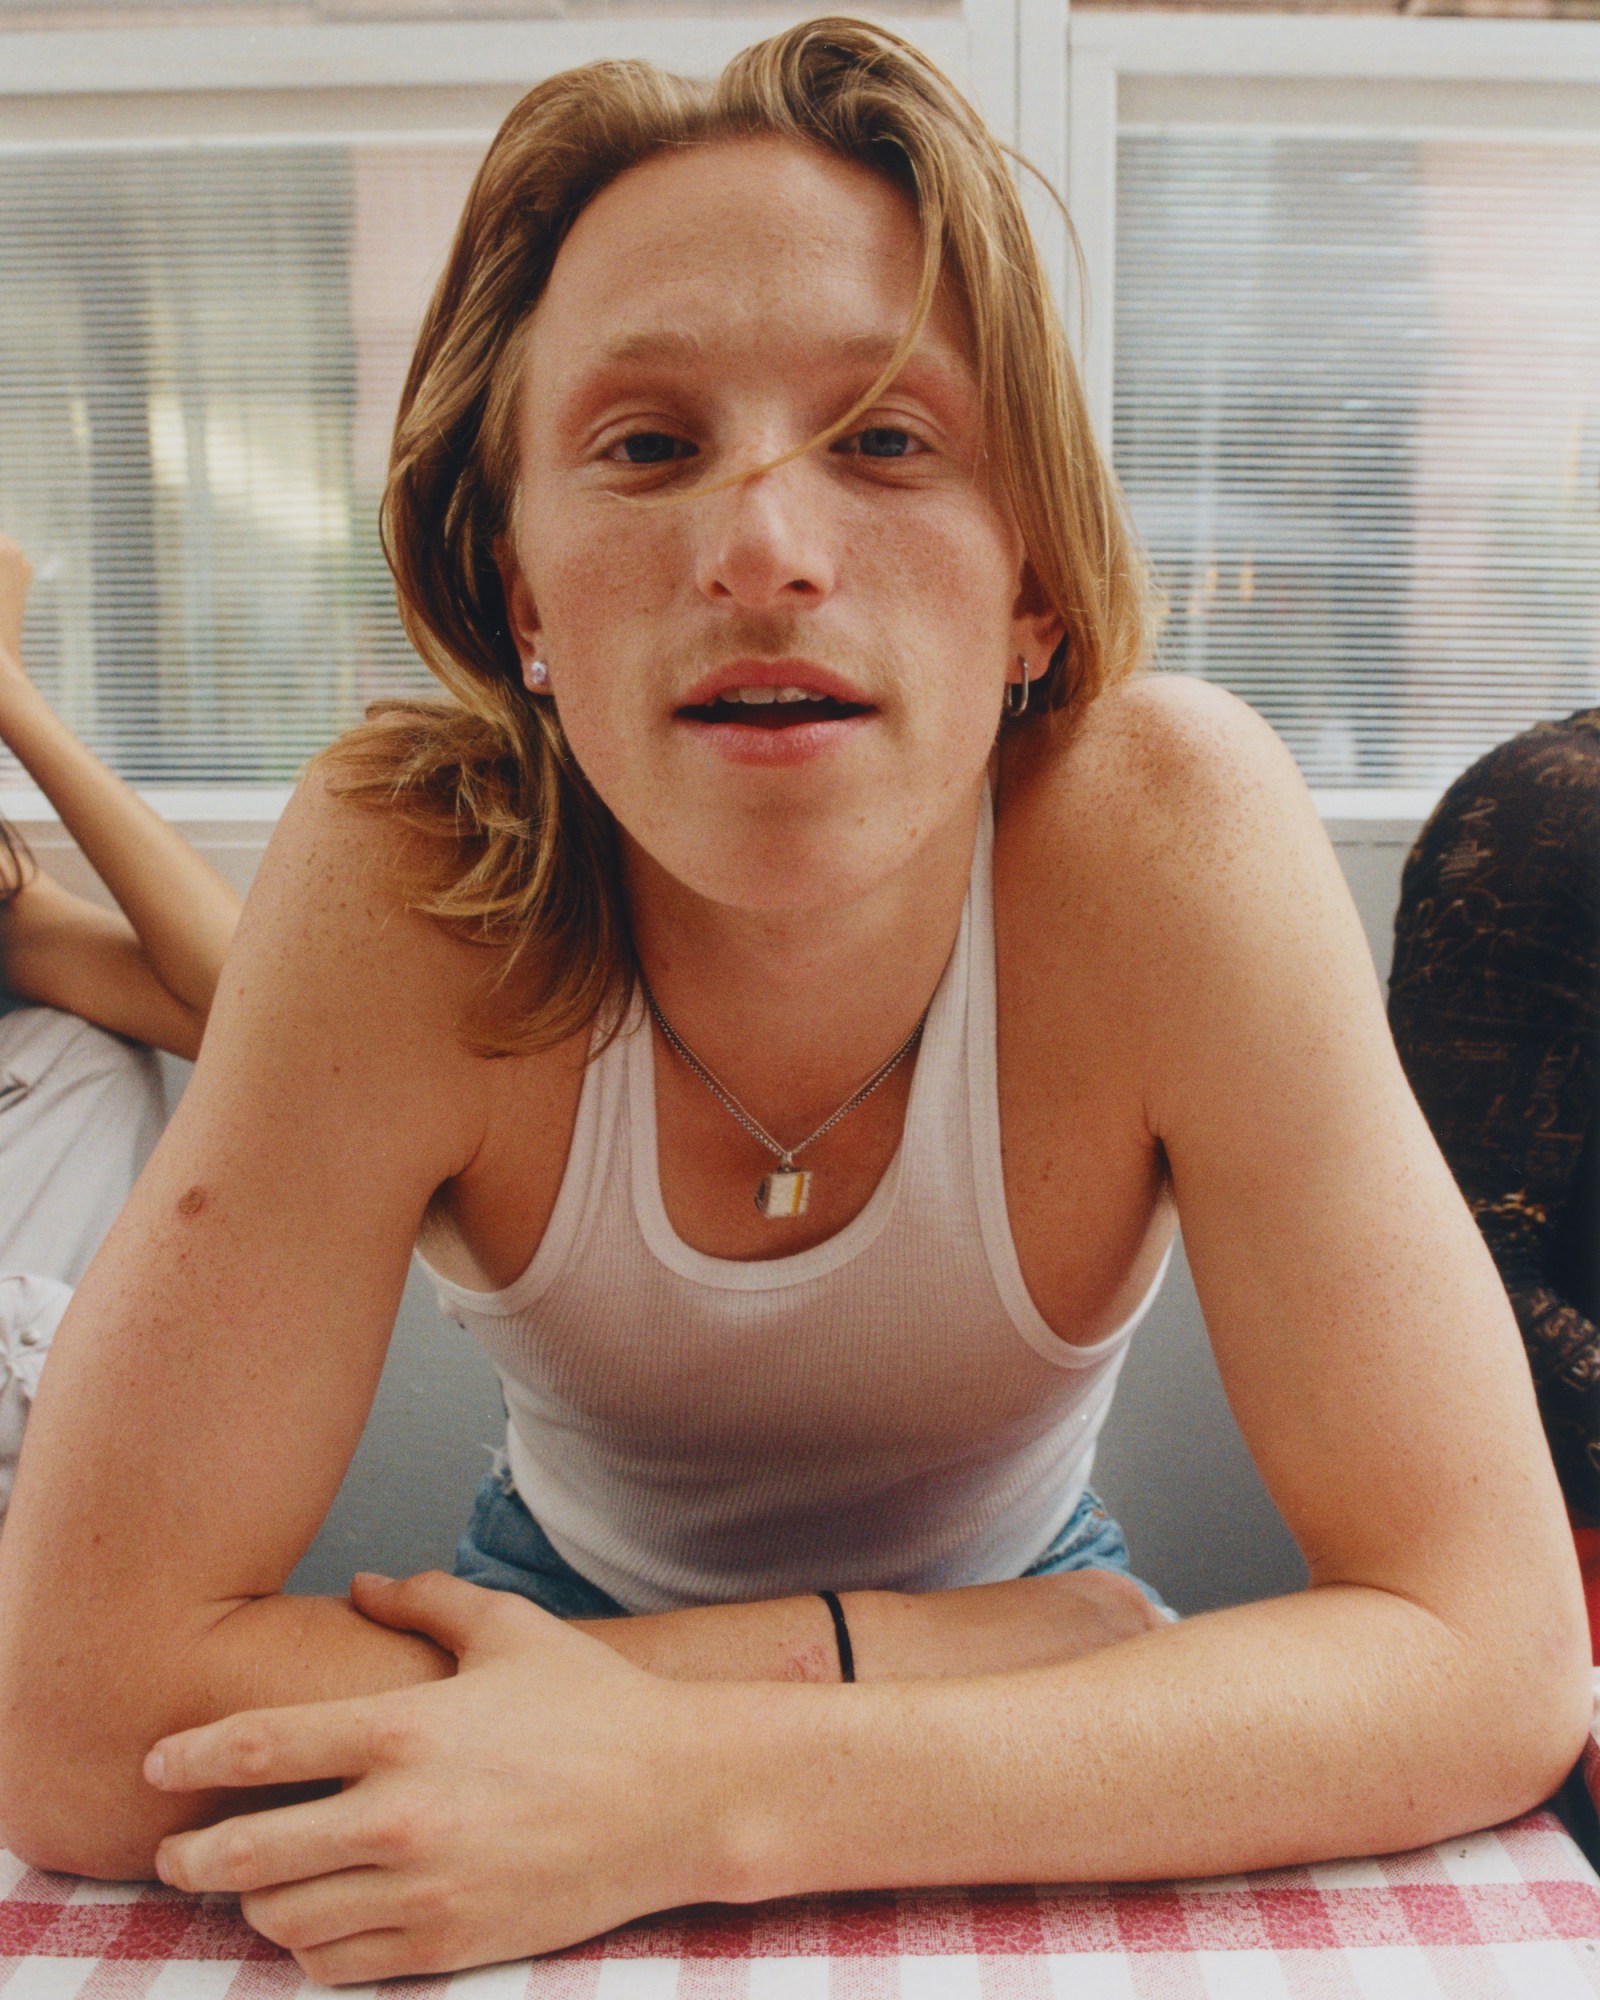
point(943, 373)
point(653, 343)
point(682, 343)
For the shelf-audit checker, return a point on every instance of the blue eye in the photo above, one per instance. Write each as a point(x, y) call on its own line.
point(883, 441)
point(654, 448)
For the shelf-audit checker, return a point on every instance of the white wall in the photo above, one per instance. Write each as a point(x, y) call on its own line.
point(1172, 1464)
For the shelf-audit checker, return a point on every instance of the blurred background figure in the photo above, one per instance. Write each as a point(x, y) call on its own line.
point(1495, 1005)
point(86, 995)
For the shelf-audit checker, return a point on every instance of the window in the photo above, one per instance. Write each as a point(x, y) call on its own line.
point(203, 348)
point(217, 242)
point(1355, 375)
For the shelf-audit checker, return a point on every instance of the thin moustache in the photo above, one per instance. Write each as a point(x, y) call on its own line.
point(775, 673)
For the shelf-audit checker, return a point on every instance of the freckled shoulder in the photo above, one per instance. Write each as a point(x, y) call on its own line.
point(339, 993)
point(1161, 772)
point(347, 876)
point(1160, 755)
point(1124, 843)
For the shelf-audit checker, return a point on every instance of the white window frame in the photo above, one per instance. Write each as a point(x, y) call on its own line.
point(105, 88)
point(1350, 75)
point(1049, 85)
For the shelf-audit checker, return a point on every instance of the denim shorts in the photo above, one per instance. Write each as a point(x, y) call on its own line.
point(504, 1548)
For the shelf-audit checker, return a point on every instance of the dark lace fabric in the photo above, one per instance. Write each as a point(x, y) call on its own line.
point(1495, 1005)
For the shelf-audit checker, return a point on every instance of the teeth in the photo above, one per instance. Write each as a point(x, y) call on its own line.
point(761, 697)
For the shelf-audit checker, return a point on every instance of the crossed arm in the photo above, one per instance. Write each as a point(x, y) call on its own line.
point(513, 1784)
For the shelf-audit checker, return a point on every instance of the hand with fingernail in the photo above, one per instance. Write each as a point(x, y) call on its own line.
point(543, 1794)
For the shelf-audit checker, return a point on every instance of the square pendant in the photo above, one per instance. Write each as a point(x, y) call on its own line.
point(785, 1194)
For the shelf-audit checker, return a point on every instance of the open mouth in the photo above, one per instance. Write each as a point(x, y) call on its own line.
point(773, 708)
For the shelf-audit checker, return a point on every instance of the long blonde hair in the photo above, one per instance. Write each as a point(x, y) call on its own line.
point(524, 853)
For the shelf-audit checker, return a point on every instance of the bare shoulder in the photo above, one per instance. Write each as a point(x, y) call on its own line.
point(1161, 759)
point(1174, 842)
point(1170, 799)
point(333, 899)
point(339, 988)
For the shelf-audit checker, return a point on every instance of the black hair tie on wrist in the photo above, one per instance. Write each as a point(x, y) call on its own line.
point(841, 1631)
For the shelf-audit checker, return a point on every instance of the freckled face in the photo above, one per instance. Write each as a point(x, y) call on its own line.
point(711, 311)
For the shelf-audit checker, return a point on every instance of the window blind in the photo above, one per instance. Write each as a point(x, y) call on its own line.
point(1357, 415)
point(201, 350)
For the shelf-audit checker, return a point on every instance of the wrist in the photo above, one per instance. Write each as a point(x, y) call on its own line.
point(30, 728)
point(630, 1637)
point(844, 1651)
point(744, 1820)
point(777, 1639)
point(785, 1780)
point(17, 692)
point(888, 1634)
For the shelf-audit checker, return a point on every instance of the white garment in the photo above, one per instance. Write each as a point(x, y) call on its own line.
point(80, 1111)
point(886, 1410)
point(30, 1312)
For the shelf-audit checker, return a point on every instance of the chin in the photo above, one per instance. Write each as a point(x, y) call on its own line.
point(787, 878)
point(789, 847)
point(781, 864)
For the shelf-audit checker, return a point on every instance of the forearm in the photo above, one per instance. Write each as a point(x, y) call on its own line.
point(778, 1639)
point(279, 1651)
point(894, 1635)
point(181, 909)
point(1339, 1721)
point(73, 1794)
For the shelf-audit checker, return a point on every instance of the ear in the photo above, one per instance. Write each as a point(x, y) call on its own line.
point(522, 613)
point(1037, 628)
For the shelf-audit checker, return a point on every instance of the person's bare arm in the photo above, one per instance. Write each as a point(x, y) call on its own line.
point(209, 1383)
point(894, 1635)
point(151, 971)
point(1434, 1677)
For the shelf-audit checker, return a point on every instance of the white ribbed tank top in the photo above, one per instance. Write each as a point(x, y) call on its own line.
point(887, 1410)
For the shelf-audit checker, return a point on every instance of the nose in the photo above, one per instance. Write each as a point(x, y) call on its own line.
point(764, 543)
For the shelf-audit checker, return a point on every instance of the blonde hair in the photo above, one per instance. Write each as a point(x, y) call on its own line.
point(523, 852)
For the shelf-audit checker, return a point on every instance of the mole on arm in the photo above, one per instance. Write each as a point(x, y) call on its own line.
point(192, 1201)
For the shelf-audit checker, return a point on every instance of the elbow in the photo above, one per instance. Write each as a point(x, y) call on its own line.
point(1563, 1721)
point(186, 1034)
point(1560, 1665)
point(73, 1805)
point(49, 1823)
point(61, 1842)
point(1537, 1706)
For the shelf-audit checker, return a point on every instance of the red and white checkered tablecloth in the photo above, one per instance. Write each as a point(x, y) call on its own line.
point(1508, 1915)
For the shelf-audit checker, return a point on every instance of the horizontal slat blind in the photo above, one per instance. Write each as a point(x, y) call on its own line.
point(1358, 419)
point(200, 355)
point(68, 14)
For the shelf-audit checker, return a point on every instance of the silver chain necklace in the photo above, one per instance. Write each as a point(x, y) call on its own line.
point(786, 1192)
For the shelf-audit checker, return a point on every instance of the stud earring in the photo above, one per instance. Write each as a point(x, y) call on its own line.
point(1017, 691)
point(537, 676)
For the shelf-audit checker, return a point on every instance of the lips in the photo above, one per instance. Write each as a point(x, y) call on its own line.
point(773, 695)
point(787, 714)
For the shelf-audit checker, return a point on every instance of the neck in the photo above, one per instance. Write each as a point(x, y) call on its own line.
point(797, 1007)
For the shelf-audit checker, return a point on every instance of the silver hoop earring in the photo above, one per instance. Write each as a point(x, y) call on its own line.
point(537, 676)
point(1017, 691)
